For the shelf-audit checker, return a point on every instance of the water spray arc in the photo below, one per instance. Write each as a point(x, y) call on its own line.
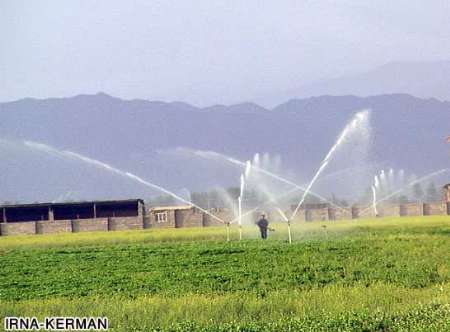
point(243, 177)
point(271, 200)
point(422, 179)
point(285, 194)
point(268, 193)
point(240, 205)
point(216, 155)
point(69, 154)
point(374, 200)
point(354, 124)
point(296, 189)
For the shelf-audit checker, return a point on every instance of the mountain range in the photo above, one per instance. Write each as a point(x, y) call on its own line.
point(405, 132)
point(421, 79)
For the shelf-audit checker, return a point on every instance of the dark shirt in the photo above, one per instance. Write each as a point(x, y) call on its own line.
point(263, 223)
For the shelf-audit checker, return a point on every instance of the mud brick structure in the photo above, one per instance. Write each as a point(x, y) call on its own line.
point(221, 213)
point(188, 218)
point(388, 210)
point(46, 227)
point(446, 190)
point(90, 225)
point(335, 213)
point(316, 214)
point(44, 218)
point(131, 214)
point(166, 216)
point(435, 208)
point(18, 228)
point(411, 209)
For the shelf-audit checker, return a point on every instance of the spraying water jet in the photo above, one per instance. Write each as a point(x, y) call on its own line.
point(422, 179)
point(359, 119)
point(255, 166)
point(73, 155)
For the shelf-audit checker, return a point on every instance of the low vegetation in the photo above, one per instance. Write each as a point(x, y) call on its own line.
point(389, 274)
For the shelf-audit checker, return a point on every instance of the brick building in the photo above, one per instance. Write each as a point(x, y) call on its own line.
point(446, 190)
point(131, 214)
point(71, 217)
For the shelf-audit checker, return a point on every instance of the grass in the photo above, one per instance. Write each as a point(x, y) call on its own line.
point(430, 225)
point(367, 275)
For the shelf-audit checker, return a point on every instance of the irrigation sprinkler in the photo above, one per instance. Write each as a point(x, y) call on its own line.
point(374, 200)
point(242, 188)
point(289, 231)
point(240, 216)
point(228, 231)
point(283, 215)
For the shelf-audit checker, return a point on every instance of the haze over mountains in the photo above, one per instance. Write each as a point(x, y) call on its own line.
point(423, 79)
point(137, 135)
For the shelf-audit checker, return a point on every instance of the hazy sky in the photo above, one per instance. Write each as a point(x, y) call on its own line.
point(207, 52)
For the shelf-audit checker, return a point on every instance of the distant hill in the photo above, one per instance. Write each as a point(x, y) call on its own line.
point(420, 79)
point(407, 132)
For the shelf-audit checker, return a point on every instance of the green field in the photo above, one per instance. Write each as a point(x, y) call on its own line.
point(390, 274)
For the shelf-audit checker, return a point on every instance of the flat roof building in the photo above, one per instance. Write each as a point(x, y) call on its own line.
point(71, 211)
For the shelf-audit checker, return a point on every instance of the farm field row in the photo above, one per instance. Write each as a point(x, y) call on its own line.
point(301, 232)
point(383, 274)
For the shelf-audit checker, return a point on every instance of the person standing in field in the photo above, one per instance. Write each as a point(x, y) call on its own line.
point(263, 225)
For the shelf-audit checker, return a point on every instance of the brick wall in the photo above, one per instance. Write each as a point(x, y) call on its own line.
point(90, 225)
point(152, 223)
point(125, 223)
point(18, 228)
point(437, 208)
point(193, 218)
point(355, 211)
point(188, 218)
point(48, 227)
point(411, 209)
point(146, 220)
point(447, 195)
point(389, 210)
point(316, 214)
point(339, 214)
point(367, 212)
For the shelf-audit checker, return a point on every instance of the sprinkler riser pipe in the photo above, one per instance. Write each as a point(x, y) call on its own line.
point(289, 232)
